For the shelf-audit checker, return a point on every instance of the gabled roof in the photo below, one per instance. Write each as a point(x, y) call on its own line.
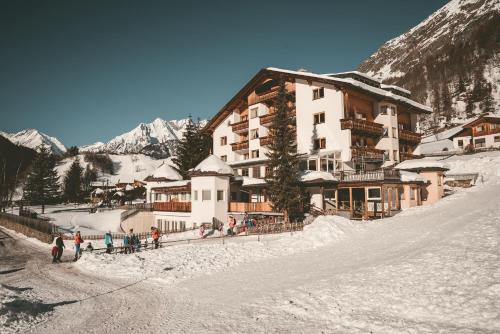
point(422, 164)
point(445, 134)
point(345, 82)
point(488, 118)
point(167, 172)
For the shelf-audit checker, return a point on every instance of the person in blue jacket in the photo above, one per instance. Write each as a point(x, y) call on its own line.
point(126, 244)
point(108, 241)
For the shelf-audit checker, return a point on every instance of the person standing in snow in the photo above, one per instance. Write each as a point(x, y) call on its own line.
point(108, 240)
point(78, 242)
point(60, 246)
point(131, 240)
point(155, 234)
point(202, 231)
point(126, 243)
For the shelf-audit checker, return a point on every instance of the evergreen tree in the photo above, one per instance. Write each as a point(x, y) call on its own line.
point(192, 148)
point(283, 178)
point(42, 185)
point(73, 182)
point(89, 176)
point(446, 103)
point(72, 151)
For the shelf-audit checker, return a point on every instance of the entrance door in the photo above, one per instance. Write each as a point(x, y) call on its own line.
point(358, 202)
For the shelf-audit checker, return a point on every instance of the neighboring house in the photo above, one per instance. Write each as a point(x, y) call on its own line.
point(443, 141)
point(484, 132)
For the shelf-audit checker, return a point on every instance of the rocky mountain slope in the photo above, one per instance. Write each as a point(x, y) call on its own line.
point(450, 61)
point(33, 139)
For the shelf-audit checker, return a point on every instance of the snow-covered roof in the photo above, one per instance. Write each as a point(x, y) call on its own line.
point(444, 145)
point(310, 175)
point(166, 171)
point(411, 177)
point(128, 187)
point(98, 191)
point(213, 164)
point(356, 83)
point(401, 89)
point(251, 181)
point(172, 184)
point(361, 74)
point(417, 164)
point(119, 194)
point(446, 134)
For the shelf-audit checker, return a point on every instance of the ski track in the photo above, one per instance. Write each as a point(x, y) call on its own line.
point(427, 270)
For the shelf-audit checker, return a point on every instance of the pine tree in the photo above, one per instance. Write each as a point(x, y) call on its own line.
point(192, 148)
point(73, 182)
point(446, 103)
point(42, 185)
point(89, 176)
point(285, 191)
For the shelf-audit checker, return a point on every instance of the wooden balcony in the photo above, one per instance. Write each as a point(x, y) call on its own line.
point(409, 136)
point(363, 127)
point(172, 206)
point(240, 146)
point(266, 120)
point(376, 175)
point(250, 207)
point(367, 153)
point(240, 127)
point(264, 141)
point(270, 94)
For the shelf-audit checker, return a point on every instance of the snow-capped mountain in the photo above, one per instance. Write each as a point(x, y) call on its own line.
point(33, 139)
point(449, 61)
point(155, 139)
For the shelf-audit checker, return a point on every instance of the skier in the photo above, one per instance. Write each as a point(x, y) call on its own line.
point(78, 242)
point(59, 251)
point(108, 240)
point(155, 234)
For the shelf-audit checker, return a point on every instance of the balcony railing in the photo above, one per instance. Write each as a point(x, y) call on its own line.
point(376, 175)
point(250, 207)
point(409, 136)
point(407, 156)
point(267, 119)
point(240, 146)
point(367, 153)
point(264, 141)
point(362, 126)
point(271, 94)
point(172, 206)
point(241, 126)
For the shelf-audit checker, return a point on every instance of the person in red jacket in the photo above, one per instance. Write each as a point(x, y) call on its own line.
point(78, 242)
point(155, 234)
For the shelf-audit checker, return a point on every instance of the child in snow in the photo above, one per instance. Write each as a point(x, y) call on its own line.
point(78, 242)
point(89, 248)
point(57, 250)
point(155, 234)
point(202, 231)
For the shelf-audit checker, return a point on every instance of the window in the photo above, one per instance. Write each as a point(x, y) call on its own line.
point(386, 155)
point(392, 110)
point(195, 195)
point(220, 195)
point(386, 132)
point(206, 195)
point(254, 134)
point(323, 164)
point(497, 139)
point(253, 112)
point(394, 155)
point(223, 141)
point(413, 193)
point(246, 156)
point(481, 142)
point(255, 154)
point(460, 143)
point(318, 93)
point(387, 110)
point(319, 118)
point(480, 128)
point(373, 193)
point(394, 132)
point(157, 197)
point(268, 171)
point(383, 110)
point(319, 143)
point(256, 172)
point(312, 164)
point(223, 158)
point(439, 180)
point(244, 172)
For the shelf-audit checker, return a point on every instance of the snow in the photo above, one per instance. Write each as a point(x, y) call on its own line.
point(168, 172)
point(444, 145)
point(127, 167)
point(429, 269)
point(33, 139)
point(251, 181)
point(361, 74)
point(446, 134)
point(421, 163)
point(213, 164)
point(316, 175)
point(384, 86)
point(412, 177)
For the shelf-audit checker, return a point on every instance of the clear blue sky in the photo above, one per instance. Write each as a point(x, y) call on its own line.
point(90, 70)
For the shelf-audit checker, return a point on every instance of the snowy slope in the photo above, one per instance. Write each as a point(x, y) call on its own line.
point(128, 167)
point(33, 139)
point(429, 60)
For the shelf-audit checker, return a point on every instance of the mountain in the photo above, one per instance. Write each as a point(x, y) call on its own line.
point(33, 138)
point(156, 139)
point(450, 61)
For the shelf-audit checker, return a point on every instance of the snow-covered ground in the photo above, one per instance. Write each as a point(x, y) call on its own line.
point(430, 269)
